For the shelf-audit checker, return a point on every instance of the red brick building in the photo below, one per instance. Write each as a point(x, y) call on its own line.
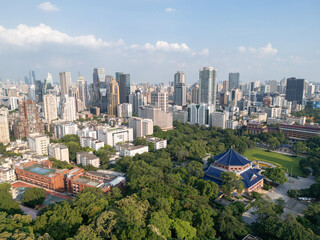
point(256, 128)
point(299, 132)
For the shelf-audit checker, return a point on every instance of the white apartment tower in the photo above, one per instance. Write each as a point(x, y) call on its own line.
point(50, 107)
point(4, 126)
point(208, 76)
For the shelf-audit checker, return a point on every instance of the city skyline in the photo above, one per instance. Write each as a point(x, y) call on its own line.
point(258, 40)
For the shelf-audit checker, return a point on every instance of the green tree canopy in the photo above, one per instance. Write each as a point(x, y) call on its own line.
point(276, 175)
point(33, 197)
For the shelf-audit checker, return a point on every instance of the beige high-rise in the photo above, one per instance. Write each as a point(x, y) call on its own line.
point(50, 107)
point(114, 97)
point(65, 83)
point(4, 126)
point(82, 91)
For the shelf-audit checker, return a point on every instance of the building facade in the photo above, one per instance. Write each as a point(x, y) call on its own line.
point(4, 126)
point(59, 152)
point(208, 76)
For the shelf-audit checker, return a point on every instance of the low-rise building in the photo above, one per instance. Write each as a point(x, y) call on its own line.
point(87, 132)
point(157, 142)
point(39, 143)
point(91, 143)
point(256, 128)
point(87, 159)
point(113, 135)
point(127, 149)
point(7, 174)
point(299, 132)
point(59, 152)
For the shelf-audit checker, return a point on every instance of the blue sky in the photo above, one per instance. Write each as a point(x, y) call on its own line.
point(152, 39)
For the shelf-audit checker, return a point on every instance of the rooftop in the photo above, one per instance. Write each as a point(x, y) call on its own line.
point(87, 181)
point(38, 169)
point(231, 158)
point(87, 155)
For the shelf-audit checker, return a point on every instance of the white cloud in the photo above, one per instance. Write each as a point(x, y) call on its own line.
point(48, 7)
point(24, 35)
point(167, 10)
point(261, 52)
point(167, 47)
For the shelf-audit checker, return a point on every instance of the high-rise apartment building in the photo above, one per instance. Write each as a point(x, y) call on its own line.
point(68, 111)
point(4, 126)
point(124, 87)
point(141, 127)
point(59, 152)
point(114, 98)
point(225, 86)
point(50, 107)
point(180, 89)
point(195, 92)
point(28, 120)
point(234, 79)
point(39, 143)
point(208, 76)
point(273, 86)
point(65, 84)
point(295, 90)
point(160, 100)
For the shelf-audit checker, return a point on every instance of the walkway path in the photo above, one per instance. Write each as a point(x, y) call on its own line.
point(29, 211)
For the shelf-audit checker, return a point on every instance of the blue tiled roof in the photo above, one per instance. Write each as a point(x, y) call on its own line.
point(231, 158)
point(251, 177)
point(217, 181)
point(213, 172)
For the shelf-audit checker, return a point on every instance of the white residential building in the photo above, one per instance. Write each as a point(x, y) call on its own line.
point(7, 174)
point(87, 132)
point(219, 119)
point(87, 159)
point(124, 110)
point(4, 126)
point(130, 150)
point(68, 109)
point(141, 127)
point(59, 152)
point(113, 135)
point(91, 143)
point(39, 143)
point(160, 118)
point(50, 107)
point(231, 124)
point(200, 114)
point(63, 129)
point(157, 142)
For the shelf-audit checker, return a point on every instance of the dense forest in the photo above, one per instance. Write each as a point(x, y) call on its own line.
point(164, 198)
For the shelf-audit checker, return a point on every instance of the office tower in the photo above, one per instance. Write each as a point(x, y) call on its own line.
point(236, 95)
point(114, 98)
point(208, 77)
point(82, 91)
point(65, 84)
point(32, 77)
point(99, 89)
point(68, 111)
point(118, 77)
point(224, 98)
point(273, 86)
point(234, 80)
point(39, 143)
point(200, 114)
point(195, 92)
point(295, 90)
point(160, 100)
point(124, 87)
point(225, 85)
point(49, 79)
point(14, 103)
point(50, 107)
point(137, 99)
point(32, 92)
point(180, 89)
point(28, 120)
point(39, 91)
point(4, 126)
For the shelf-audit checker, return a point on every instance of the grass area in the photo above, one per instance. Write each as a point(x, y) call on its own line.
point(285, 161)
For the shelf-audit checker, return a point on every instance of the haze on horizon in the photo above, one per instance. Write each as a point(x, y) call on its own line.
point(152, 40)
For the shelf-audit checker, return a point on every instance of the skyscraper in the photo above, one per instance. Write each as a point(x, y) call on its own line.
point(160, 100)
point(65, 84)
point(195, 93)
point(208, 87)
point(98, 79)
point(180, 90)
point(50, 107)
point(124, 87)
point(49, 79)
point(82, 91)
point(114, 98)
point(234, 80)
point(295, 90)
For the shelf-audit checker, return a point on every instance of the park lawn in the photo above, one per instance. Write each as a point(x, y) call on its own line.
point(285, 161)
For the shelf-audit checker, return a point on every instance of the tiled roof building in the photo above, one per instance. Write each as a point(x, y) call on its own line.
point(231, 161)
